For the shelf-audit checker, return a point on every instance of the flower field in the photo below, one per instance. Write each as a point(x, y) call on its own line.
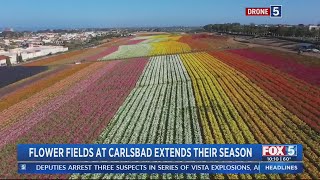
point(303, 72)
point(129, 51)
point(134, 41)
point(73, 110)
point(169, 47)
point(292, 93)
point(150, 46)
point(157, 38)
point(305, 60)
point(165, 89)
point(233, 109)
point(36, 85)
point(206, 42)
point(161, 104)
point(103, 53)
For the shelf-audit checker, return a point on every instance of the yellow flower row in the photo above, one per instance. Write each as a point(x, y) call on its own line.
point(234, 110)
point(169, 47)
point(218, 117)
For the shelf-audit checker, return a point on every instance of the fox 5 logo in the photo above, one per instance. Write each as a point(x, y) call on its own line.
point(276, 150)
point(276, 11)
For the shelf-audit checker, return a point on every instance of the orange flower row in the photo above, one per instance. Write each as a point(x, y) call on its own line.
point(26, 106)
point(37, 86)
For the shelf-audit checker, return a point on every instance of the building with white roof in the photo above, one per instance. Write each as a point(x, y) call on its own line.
point(3, 60)
point(313, 27)
point(32, 52)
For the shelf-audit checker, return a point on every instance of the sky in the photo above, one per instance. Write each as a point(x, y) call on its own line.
point(40, 14)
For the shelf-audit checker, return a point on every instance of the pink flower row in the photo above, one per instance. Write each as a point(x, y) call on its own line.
point(80, 114)
point(89, 112)
point(306, 73)
point(20, 110)
point(13, 132)
point(103, 53)
point(132, 42)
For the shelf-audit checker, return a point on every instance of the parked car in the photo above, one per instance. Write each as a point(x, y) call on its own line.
point(316, 50)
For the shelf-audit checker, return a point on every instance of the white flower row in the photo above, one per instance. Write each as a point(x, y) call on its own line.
point(160, 109)
point(180, 121)
point(143, 120)
point(170, 129)
point(130, 51)
point(126, 121)
point(152, 135)
point(122, 121)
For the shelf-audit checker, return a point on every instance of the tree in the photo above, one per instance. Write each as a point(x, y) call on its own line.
point(208, 27)
point(8, 62)
point(19, 58)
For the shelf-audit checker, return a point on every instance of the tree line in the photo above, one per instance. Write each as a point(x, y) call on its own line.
point(263, 30)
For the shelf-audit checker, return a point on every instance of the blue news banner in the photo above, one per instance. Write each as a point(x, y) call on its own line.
point(160, 158)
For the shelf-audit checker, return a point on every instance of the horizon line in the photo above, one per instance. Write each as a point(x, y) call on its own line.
point(32, 28)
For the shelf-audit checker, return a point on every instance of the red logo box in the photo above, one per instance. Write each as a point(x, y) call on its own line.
point(257, 11)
